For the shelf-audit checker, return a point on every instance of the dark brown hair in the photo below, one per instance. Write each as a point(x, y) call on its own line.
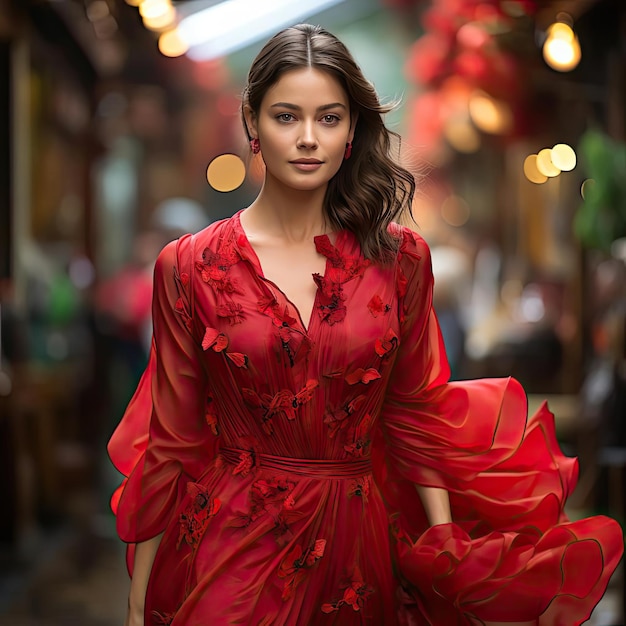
point(371, 189)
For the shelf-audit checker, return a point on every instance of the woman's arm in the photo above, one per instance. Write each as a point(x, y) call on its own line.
point(144, 558)
point(436, 503)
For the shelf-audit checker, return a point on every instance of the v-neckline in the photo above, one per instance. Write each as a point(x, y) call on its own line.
point(256, 262)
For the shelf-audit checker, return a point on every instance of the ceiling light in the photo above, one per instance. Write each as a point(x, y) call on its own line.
point(234, 24)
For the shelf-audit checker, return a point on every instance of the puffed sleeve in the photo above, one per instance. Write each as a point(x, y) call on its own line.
point(510, 553)
point(163, 440)
point(454, 434)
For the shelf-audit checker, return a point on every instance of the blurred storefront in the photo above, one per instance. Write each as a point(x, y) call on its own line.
point(104, 146)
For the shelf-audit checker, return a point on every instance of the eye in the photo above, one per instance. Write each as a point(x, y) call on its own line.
point(285, 117)
point(330, 119)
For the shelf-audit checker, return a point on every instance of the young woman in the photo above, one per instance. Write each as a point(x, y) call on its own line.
point(295, 454)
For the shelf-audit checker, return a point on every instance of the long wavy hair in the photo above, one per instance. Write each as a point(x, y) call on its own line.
point(371, 189)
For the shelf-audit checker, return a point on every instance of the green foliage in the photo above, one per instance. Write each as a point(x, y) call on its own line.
point(601, 219)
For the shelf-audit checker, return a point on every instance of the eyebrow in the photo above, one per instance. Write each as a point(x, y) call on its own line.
point(295, 107)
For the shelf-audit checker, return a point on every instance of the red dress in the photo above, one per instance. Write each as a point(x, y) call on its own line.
point(280, 460)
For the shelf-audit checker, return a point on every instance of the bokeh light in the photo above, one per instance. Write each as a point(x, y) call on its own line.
point(226, 172)
point(455, 210)
point(490, 115)
point(171, 44)
point(545, 164)
point(162, 21)
point(461, 135)
point(563, 157)
point(531, 171)
point(153, 9)
point(561, 49)
point(587, 188)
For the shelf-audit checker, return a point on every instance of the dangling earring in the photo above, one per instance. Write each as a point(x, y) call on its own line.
point(255, 146)
point(348, 151)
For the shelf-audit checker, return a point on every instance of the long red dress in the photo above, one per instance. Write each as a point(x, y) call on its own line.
point(280, 460)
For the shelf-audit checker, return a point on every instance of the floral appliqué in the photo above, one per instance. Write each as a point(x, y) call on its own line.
point(355, 592)
point(295, 344)
point(215, 267)
point(361, 375)
point(285, 403)
point(162, 619)
point(377, 307)
point(272, 496)
point(387, 345)
point(360, 487)
point(340, 269)
point(196, 517)
point(232, 311)
point(294, 566)
point(358, 437)
point(330, 301)
point(337, 419)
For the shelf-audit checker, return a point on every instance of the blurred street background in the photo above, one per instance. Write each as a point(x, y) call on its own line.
point(120, 130)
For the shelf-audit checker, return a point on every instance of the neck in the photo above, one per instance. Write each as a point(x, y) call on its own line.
point(290, 214)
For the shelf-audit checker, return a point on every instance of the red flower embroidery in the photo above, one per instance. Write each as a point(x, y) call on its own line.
point(232, 311)
point(294, 564)
point(284, 402)
point(162, 619)
point(376, 306)
point(273, 496)
point(246, 463)
point(342, 268)
point(336, 420)
point(240, 360)
point(361, 375)
point(214, 268)
point(214, 339)
point(195, 518)
point(358, 437)
point(330, 300)
point(356, 591)
point(360, 487)
point(295, 344)
point(387, 344)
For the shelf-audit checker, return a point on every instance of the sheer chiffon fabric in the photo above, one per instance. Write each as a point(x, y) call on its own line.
point(280, 461)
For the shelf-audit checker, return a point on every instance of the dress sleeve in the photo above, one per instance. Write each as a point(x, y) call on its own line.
point(510, 554)
point(440, 433)
point(163, 439)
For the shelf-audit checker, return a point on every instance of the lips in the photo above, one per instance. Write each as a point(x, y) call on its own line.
point(307, 161)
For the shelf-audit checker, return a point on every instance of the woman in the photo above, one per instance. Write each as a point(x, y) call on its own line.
point(306, 461)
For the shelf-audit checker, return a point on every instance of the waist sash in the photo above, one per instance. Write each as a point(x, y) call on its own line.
point(311, 468)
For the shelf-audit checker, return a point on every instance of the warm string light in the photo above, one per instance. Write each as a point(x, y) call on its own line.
point(561, 49)
point(161, 16)
point(549, 163)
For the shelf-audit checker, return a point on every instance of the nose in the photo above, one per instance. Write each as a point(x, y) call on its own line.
point(308, 137)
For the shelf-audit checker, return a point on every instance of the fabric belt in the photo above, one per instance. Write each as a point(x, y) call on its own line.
point(312, 468)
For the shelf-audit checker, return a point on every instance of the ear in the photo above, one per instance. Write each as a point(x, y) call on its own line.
point(353, 120)
point(251, 121)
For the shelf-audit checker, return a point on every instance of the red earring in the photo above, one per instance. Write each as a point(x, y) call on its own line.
point(255, 146)
point(348, 151)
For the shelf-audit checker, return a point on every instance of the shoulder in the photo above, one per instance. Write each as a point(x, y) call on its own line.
point(180, 252)
point(412, 247)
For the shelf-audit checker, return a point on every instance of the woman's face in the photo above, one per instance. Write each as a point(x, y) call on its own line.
point(303, 125)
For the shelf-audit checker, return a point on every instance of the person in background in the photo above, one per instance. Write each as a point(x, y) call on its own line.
point(295, 453)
